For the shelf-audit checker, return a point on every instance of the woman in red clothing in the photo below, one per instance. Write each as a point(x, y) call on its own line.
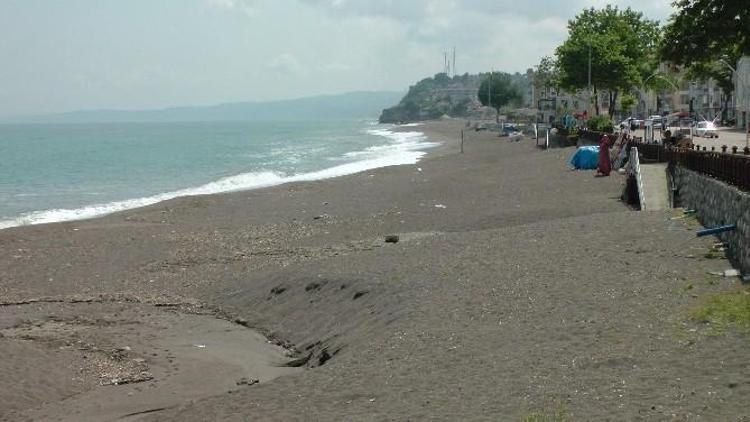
point(605, 164)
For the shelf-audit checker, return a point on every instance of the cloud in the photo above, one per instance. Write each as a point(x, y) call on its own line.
point(286, 63)
point(144, 54)
point(247, 7)
point(418, 12)
point(334, 67)
point(507, 34)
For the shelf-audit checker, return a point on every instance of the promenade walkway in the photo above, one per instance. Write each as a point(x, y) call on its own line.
point(655, 187)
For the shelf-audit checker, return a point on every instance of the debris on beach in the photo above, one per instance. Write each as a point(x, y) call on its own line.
point(391, 238)
point(360, 294)
point(247, 381)
point(726, 273)
point(440, 206)
point(716, 230)
point(117, 368)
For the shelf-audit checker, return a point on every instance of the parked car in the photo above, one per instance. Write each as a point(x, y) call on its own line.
point(706, 129)
point(509, 129)
point(631, 122)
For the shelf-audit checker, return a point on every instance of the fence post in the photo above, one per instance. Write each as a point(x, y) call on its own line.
point(724, 149)
point(734, 149)
point(746, 151)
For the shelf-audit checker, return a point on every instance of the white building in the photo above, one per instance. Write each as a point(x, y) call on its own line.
point(707, 97)
point(742, 91)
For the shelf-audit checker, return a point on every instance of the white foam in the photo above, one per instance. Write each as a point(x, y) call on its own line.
point(400, 142)
point(406, 148)
point(228, 184)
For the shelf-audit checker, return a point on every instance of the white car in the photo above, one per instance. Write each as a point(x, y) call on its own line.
point(706, 129)
point(656, 118)
point(628, 123)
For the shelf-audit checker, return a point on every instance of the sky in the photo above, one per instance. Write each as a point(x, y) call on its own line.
point(140, 54)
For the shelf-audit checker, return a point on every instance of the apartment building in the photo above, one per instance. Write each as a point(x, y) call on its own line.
point(742, 92)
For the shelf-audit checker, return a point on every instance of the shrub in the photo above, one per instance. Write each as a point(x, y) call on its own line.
point(601, 123)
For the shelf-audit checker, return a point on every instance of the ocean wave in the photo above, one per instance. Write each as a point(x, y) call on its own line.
point(400, 142)
point(406, 148)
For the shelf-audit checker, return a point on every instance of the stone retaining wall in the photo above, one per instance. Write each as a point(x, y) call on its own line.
point(717, 203)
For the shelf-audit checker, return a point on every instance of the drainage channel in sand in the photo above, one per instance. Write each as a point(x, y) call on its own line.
point(120, 361)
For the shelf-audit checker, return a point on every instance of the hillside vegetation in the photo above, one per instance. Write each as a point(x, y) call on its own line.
point(435, 97)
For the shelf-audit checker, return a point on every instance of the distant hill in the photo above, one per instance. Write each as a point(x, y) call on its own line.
point(432, 98)
point(328, 107)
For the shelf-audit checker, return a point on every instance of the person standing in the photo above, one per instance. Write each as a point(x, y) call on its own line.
point(605, 163)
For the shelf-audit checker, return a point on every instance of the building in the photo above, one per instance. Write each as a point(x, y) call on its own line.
point(742, 92)
point(705, 98)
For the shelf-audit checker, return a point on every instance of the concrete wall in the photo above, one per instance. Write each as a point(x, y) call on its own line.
point(716, 204)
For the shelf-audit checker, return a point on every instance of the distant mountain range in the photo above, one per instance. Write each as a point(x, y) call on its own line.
point(327, 107)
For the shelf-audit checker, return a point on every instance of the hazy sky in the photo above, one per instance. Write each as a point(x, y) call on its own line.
point(60, 55)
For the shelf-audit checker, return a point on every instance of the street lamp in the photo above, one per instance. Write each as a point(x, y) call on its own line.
point(643, 89)
point(643, 85)
point(740, 82)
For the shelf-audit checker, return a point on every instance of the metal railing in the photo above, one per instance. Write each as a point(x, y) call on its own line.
point(733, 169)
point(729, 166)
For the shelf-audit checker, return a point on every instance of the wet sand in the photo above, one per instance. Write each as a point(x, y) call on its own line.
point(517, 286)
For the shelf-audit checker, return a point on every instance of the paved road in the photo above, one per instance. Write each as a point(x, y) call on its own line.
point(727, 136)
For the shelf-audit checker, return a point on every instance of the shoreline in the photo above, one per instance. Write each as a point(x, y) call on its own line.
point(232, 184)
point(517, 286)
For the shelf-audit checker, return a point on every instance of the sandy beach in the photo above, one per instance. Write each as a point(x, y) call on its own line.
point(517, 288)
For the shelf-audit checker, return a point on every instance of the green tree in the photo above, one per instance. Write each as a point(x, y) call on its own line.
point(705, 36)
point(497, 90)
point(704, 30)
point(627, 102)
point(621, 44)
point(546, 75)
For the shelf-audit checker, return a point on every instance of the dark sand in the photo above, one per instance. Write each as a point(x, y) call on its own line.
point(530, 288)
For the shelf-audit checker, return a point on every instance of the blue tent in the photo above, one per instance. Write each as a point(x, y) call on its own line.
point(586, 158)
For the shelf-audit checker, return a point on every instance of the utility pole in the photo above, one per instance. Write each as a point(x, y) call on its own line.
point(454, 61)
point(589, 105)
point(489, 89)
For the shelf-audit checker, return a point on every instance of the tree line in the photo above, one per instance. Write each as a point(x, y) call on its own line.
point(625, 49)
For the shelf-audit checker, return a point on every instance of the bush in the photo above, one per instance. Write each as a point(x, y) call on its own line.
point(601, 123)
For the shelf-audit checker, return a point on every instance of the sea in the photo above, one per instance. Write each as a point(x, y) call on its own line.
point(64, 172)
